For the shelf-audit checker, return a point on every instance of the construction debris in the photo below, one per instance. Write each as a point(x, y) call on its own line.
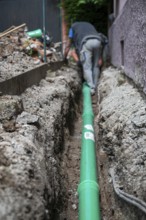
point(11, 29)
point(20, 53)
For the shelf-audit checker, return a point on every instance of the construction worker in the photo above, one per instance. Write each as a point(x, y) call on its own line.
point(89, 45)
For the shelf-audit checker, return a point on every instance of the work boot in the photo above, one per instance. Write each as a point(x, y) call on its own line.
point(92, 92)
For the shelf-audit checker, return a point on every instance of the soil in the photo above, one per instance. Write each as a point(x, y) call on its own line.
point(33, 135)
point(121, 145)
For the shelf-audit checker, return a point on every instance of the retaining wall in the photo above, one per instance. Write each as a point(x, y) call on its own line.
point(17, 84)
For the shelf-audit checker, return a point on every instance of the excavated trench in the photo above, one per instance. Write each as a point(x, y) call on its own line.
point(40, 144)
point(39, 166)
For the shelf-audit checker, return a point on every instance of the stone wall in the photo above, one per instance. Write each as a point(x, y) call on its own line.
point(127, 38)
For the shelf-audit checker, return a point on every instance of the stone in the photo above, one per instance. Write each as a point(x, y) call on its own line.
point(10, 107)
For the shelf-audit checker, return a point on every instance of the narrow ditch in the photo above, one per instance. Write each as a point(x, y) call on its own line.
point(71, 165)
point(40, 147)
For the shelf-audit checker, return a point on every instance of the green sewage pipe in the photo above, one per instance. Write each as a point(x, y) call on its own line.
point(88, 189)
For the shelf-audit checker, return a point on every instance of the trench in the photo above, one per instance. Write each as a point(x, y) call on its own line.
point(111, 205)
point(44, 125)
point(40, 146)
point(70, 164)
point(61, 164)
point(70, 167)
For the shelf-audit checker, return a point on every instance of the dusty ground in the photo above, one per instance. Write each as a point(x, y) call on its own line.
point(15, 64)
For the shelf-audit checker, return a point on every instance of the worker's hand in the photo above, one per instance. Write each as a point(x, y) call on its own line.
point(79, 64)
point(100, 62)
point(65, 60)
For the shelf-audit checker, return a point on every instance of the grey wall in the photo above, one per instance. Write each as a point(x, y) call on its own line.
point(121, 4)
point(118, 6)
point(127, 38)
point(16, 12)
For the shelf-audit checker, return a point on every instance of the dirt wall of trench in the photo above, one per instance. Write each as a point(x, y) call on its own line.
point(121, 147)
point(33, 130)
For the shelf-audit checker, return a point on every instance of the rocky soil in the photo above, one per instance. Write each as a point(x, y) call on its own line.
point(33, 130)
point(121, 147)
point(14, 64)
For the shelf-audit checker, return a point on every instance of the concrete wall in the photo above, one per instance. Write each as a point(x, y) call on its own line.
point(118, 6)
point(127, 38)
point(121, 4)
point(18, 84)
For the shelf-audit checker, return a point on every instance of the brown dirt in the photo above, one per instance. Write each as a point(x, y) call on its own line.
point(71, 164)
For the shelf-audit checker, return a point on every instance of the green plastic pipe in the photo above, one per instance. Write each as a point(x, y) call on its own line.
point(88, 189)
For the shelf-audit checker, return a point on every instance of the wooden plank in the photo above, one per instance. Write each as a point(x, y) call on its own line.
point(10, 28)
point(14, 29)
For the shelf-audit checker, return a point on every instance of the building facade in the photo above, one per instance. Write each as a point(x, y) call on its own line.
point(127, 39)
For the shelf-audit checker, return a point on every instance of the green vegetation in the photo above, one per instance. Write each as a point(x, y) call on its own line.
point(93, 11)
point(99, 2)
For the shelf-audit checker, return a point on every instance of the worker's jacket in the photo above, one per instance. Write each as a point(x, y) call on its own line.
point(80, 32)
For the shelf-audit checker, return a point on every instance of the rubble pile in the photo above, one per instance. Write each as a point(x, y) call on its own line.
point(20, 53)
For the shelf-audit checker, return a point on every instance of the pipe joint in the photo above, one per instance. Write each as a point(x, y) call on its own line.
point(88, 184)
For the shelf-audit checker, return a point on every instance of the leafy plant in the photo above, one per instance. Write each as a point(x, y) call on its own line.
point(93, 11)
point(99, 2)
